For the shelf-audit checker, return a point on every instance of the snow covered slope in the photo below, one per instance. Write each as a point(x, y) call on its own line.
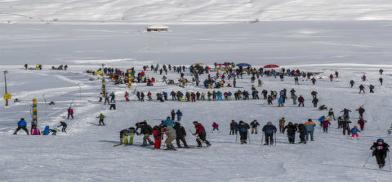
point(193, 10)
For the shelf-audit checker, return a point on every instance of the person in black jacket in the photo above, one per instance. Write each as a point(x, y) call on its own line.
point(180, 135)
point(146, 130)
point(269, 130)
point(291, 129)
point(233, 128)
point(254, 124)
point(243, 129)
point(380, 151)
point(302, 133)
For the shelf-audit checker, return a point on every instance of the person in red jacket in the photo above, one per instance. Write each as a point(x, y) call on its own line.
point(70, 113)
point(157, 133)
point(215, 126)
point(301, 101)
point(201, 134)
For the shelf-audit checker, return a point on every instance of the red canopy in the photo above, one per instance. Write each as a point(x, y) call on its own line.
point(271, 66)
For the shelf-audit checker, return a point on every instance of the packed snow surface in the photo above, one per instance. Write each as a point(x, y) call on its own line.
point(191, 11)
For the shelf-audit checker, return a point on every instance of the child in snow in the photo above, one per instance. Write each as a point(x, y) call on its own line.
point(215, 126)
point(354, 132)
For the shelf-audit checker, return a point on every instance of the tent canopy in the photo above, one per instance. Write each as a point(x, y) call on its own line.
point(271, 66)
point(243, 65)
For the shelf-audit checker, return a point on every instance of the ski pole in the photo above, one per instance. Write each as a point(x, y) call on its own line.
point(367, 160)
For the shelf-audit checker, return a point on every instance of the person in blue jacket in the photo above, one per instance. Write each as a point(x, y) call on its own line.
point(269, 130)
point(179, 115)
point(22, 124)
point(168, 122)
point(46, 131)
point(281, 101)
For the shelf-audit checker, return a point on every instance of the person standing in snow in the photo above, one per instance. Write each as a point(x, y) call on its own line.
point(180, 135)
point(291, 129)
point(101, 119)
point(302, 133)
point(201, 134)
point(173, 115)
point(361, 88)
point(70, 113)
point(179, 115)
point(282, 122)
point(243, 130)
point(63, 126)
point(309, 127)
point(301, 101)
point(269, 130)
point(233, 127)
point(380, 150)
point(170, 133)
point(325, 124)
point(22, 125)
point(157, 134)
point(254, 124)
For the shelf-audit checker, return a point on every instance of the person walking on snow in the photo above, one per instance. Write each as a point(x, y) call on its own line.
point(201, 135)
point(179, 115)
point(243, 129)
point(355, 132)
point(325, 124)
point(215, 126)
point(269, 131)
point(157, 134)
point(301, 101)
point(361, 110)
point(180, 135)
point(170, 133)
point(282, 122)
point(380, 150)
point(309, 127)
point(291, 129)
point(233, 128)
point(22, 125)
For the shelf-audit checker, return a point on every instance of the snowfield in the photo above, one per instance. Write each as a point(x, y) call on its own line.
point(191, 11)
point(86, 152)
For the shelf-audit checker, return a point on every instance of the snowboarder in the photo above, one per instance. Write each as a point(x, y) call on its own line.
point(22, 124)
point(254, 124)
point(180, 135)
point(291, 129)
point(309, 127)
point(380, 151)
point(201, 134)
point(269, 131)
point(70, 113)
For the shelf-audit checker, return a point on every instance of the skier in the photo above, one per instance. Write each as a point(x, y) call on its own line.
point(22, 124)
point(233, 128)
point(282, 122)
point(201, 134)
point(254, 124)
point(291, 129)
point(354, 132)
point(180, 135)
point(63, 126)
point(215, 126)
point(309, 127)
point(380, 151)
point(243, 129)
point(101, 119)
point(70, 113)
point(269, 131)
point(179, 115)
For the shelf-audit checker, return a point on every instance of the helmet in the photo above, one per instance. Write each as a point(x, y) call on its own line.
point(380, 140)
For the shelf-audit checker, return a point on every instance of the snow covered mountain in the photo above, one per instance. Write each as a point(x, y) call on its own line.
point(177, 11)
